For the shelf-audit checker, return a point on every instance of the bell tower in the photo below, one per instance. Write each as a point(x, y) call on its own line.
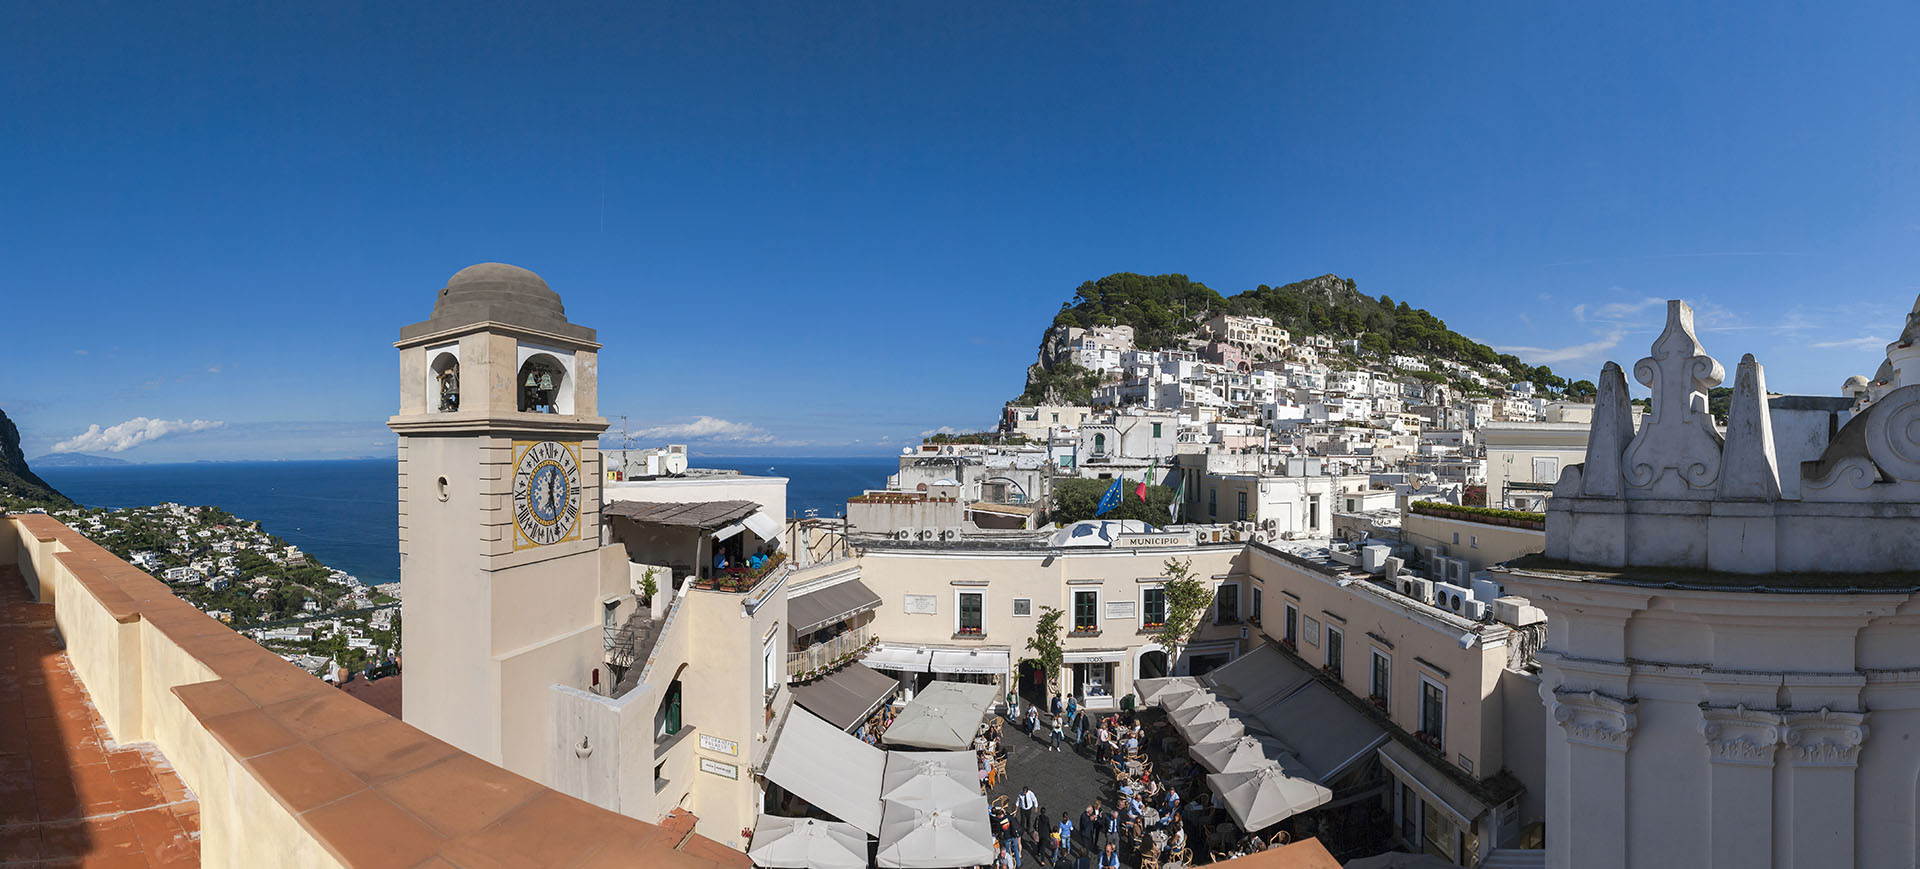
point(499, 495)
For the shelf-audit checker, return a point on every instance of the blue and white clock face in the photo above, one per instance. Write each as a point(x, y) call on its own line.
point(546, 493)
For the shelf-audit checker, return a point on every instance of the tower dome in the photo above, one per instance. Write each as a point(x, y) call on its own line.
point(498, 293)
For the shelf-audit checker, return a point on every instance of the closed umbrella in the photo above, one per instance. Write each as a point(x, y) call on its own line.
point(1240, 754)
point(1260, 798)
point(936, 838)
point(807, 843)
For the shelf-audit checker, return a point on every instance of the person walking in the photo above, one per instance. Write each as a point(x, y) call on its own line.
point(1059, 724)
point(1112, 824)
point(1100, 747)
point(1065, 833)
point(1026, 802)
point(1033, 721)
point(1089, 826)
point(1071, 709)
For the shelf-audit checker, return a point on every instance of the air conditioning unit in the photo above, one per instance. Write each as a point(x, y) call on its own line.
point(903, 534)
point(1433, 554)
point(1452, 598)
point(1261, 537)
point(1487, 590)
point(1476, 610)
point(927, 534)
point(1457, 570)
point(1417, 587)
point(1394, 566)
point(1517, 611)
point(949, 534)
point(1271, 525)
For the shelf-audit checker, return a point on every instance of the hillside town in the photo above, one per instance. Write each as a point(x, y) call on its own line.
point(321, 619)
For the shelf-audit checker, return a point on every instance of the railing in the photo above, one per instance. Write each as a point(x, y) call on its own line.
point(819, 658)
point(619, 646)
point(738, 579)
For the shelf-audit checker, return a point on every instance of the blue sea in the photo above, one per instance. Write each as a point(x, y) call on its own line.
point(346, 514)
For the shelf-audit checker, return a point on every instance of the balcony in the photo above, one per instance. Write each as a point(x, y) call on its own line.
point(738, 580)
point(820, 658)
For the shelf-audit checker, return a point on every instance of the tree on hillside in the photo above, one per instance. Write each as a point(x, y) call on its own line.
point(1074, 500)
point(1187, 600)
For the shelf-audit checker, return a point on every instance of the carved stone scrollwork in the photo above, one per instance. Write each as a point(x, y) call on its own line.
point(1739, 735)
point(1826, 737)
point(1596, 719)
point(1679, 434)
point(1893, 433)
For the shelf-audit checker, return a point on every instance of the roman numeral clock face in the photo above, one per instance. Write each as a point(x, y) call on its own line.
point(546, 493)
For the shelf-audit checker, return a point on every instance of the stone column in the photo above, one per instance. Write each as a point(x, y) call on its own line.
point(1741, 743)
point(1824, 750)
point(1598, 728)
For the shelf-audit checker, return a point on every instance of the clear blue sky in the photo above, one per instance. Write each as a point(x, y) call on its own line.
point(835, 226)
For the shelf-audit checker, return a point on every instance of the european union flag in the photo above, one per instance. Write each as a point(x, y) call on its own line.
point(1111, 499)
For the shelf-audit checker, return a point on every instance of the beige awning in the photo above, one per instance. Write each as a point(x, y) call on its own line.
point(821, 764)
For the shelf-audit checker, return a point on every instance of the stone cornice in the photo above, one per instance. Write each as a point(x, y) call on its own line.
point(1825, 738)
point(513, 423)
point(1741, 736)
point(498, 328)
point(1596, 719)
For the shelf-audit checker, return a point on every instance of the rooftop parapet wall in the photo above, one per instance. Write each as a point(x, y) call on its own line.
point(1837, 492)
point(289, 770)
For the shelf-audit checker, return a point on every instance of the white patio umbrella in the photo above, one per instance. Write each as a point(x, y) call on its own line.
point(1216, 731)
point(1186, 717)
point(1184, 697)
point(933, 726)
point(937, 838)
point(1150, 690)
point(806, 843)
point(1240, 754)
point(930, 779)
point(1260, 798)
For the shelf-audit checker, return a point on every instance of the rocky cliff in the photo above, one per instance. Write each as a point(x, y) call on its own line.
point(18, 483)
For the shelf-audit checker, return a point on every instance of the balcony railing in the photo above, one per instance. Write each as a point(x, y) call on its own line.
point(739, 579)
point(818, 659)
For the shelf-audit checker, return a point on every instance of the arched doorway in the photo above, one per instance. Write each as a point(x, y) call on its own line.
point(1033, 684)
point(1153, 665)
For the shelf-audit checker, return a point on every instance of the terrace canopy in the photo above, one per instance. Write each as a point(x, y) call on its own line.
point(936, 838)
point(821, 764)
point(807, 843)
point(836, 603)
point(931, 779)
point(1262, 797)
point(846, 696)
point(944, 716)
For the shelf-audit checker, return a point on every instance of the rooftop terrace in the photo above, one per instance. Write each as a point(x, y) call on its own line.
point(288, 770)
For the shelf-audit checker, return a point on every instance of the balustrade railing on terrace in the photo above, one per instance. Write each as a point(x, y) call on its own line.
point(824, 656)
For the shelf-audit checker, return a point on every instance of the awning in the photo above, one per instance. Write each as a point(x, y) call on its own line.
point(899, 658)
point(817, 609)
point(1257, 677)
point(1326, 733)
point(944, 716)
point(694, 514)
point(1434, 786)
point(846, 696)
point(726, 531)
point(764, 527)
point(837, 773)
point(984, 661)
point(1113, 656)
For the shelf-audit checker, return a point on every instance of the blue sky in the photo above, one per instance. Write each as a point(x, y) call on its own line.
point(828, 228)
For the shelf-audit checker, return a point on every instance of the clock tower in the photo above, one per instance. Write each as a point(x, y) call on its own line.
point(499, 514)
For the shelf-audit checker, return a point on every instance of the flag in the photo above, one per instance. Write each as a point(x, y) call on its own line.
point(1153, 470)
point(1111, 499)
point(1141, 490)
point(1179, 499)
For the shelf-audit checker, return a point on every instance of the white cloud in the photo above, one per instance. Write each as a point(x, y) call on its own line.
point(1864, 342)
point(1614, 312)
point(945, 430)
point(707, 428)
point(129, 434)
point(1556, 355)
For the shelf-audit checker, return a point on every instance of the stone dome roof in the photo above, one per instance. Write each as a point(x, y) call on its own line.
point(498, 293)
point(1858, 381)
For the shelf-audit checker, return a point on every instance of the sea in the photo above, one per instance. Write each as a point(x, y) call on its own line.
point(345, 512)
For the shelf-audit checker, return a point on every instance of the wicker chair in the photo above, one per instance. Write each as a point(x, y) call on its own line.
point(1003, 802)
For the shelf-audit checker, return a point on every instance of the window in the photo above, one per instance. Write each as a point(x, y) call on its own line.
point(1156, 429)
point(1313, 513)
point(1243, 506)
point(1433, 712)
point(1253, 612)
point(1291, 632)
point(1153, 607)
point(1086, 611)
point(770, 671)
point(1437, 829)
point(1409, 816)
point(1473, 541)
point(1379, 685)
point(1456, 538)
point(1056, 417)
point(1335, 653)
point(970, 613)
point(669, 712)
point(1226, 604)
point(1099, 445)
point(1213, 502)
point(1023, 606)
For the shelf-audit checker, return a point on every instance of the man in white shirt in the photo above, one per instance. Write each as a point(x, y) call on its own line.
point(1026, 803)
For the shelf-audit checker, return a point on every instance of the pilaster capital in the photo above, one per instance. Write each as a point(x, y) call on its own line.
point(1738, 735)
point(1825, 737)
point(1596, 719)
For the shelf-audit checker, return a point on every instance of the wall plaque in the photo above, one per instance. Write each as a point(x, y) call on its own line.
point(718, 745)
point(920, 604)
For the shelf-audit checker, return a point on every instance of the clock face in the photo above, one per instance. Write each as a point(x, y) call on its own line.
point(546, 493)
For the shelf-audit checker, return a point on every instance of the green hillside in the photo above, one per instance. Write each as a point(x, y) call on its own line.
point(20, 488)
point(1166, 309)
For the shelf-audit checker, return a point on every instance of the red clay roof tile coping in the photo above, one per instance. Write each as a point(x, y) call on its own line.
point(373, 790)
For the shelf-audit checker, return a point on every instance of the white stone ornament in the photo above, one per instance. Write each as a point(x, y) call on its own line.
point(1596, 719)
point(1739, 735)
point(1608, 435)
point(1678, 435)
point(1893, 433)
point(1747, 470)
point(1826, 737)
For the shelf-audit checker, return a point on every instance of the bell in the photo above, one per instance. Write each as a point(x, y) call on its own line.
point(546, 380)
point(533, 378)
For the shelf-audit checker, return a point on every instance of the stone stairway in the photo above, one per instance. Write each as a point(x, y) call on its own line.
point(633, 644)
